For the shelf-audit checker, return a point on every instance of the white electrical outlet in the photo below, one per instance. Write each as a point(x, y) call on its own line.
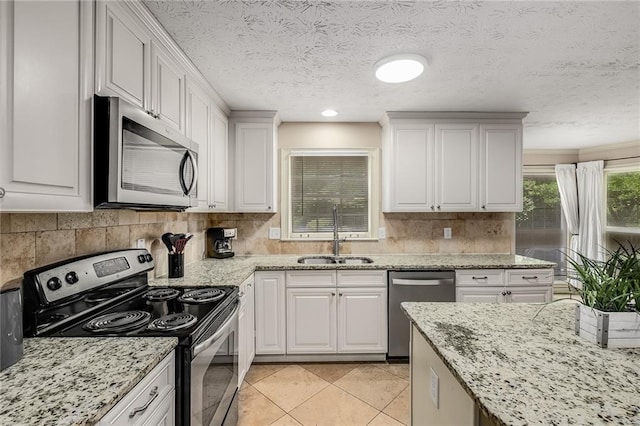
point(274, 233)
point(447, 233)
point(435, 387)
point(382, 233)
point(140, 243)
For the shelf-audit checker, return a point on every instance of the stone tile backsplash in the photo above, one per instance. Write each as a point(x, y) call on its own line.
point(29, 240)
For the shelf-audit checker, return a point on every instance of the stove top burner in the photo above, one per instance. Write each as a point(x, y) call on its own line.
point(161, 294)
point(203, 295)
point(173, 322)
point(102, 295)
point(118, 321)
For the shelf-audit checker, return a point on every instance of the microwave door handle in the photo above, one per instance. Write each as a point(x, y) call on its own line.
point(188, 156)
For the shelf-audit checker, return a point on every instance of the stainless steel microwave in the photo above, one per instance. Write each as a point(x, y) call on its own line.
point(139, 162)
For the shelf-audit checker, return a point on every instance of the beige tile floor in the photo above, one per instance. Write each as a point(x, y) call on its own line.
point(348, 394)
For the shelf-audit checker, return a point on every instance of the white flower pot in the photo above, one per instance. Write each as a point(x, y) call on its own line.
point(608, 329)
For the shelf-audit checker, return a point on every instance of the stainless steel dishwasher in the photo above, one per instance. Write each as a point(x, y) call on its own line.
point(414, 286)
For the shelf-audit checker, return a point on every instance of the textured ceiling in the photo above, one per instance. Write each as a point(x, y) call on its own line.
point(574, 66)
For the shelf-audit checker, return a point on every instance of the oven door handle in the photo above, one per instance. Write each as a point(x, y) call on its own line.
point(221, 331)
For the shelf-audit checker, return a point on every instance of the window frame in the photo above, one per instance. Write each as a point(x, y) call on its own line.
point(615, 167)
point(373, 169)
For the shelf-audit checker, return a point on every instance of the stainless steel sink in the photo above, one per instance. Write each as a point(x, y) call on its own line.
point(353, 260)
point(316, 260)
point(328, 260)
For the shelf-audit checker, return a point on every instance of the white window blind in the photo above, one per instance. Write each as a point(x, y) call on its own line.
point(320, 181)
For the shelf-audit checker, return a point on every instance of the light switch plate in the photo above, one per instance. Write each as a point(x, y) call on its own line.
point(274, 233)
point(382, 233)
point(435, 387)
point(447, 233)
point(140, 243)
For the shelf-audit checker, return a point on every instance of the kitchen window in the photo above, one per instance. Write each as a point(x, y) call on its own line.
point(540, 227)
point(316, 180)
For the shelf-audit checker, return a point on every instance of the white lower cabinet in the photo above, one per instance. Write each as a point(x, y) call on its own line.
point(150, 402)
point(362, 320)
point(311, 320)
point(504, 286)
point(246, 328)
point(344, 312)
point(270, 312)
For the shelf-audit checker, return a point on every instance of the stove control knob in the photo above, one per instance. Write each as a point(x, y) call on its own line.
point(149, 258)
point(54, 283)
point(141, 258)
point(71, 277)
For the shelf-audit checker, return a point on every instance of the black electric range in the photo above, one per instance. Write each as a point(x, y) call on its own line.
point(107, 294)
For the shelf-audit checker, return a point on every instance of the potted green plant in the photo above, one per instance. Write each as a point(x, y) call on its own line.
point(610, 311)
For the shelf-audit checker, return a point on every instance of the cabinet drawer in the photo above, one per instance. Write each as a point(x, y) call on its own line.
point(161, 378)
point(484, 277)
point(311, 278)
point(529, 276)
point(362, 278)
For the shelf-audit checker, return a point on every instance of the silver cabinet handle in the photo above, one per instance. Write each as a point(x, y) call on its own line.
point(535, 277)
point(333, 294)
point(339, 294)
point(483, 207)
point(438, 207)
point(2, 192)
point(480, 278)
point(241, 294)
point(153, 394)
point(432, 207)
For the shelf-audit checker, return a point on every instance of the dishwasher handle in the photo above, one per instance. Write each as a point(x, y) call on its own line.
point(422, 282)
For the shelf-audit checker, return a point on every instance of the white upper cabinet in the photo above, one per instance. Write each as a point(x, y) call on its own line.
point(123, 52)
point(167, 88)
point(501, 167)
point(452, 162)
point(456, 167)
point(255, 141)
point(218, 160)
point(46, 80)
point(411, 183)
point(198, 113)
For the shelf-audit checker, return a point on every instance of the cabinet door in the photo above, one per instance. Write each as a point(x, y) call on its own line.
point(250, 323)
point(529, 294)
point(254, 167)
point(456, 167)
point(242, 335)
point(311, 320)
point(481, 294)
point(412, 173)
point(123, 48)
point(167, 88)
point(501, 167)
point(270, 312)
point(218, 186)
point(362, 320)
point(198, 129)
point(46, 80)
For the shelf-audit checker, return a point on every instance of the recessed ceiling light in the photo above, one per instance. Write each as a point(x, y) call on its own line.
point(400, 68)
point(329, 113)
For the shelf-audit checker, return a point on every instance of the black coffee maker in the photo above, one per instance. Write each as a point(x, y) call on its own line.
point(219, 242)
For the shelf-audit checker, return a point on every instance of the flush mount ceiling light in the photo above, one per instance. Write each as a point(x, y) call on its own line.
point(400, 68)
point(329, 113)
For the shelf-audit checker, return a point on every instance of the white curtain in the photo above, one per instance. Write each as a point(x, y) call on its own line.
point(568, 188)
point(590, 191)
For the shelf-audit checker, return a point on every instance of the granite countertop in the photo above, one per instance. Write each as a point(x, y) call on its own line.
point(234, 270)
point(75, 381)
point(523, 370)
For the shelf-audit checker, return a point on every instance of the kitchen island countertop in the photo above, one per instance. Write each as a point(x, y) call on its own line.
point(522, 370)
point(234, 270)
point(75, 381)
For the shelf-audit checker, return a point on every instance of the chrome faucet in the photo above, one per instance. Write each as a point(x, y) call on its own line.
point(336, 239)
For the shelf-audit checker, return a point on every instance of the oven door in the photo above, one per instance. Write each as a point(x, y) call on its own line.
point(214, 374)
